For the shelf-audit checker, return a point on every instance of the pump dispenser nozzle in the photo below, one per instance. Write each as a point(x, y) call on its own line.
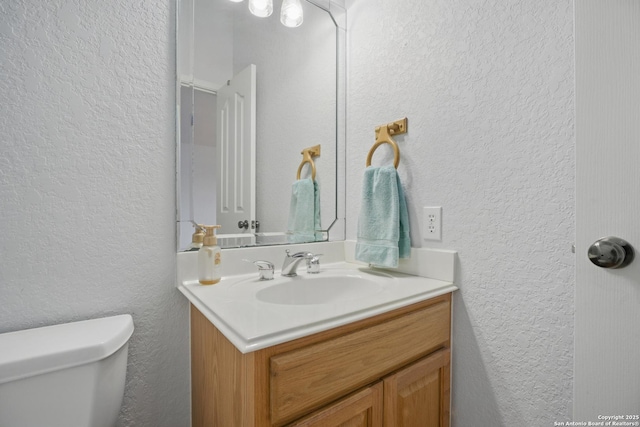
point(210, 238)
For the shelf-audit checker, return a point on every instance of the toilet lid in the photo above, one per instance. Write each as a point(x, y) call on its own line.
point(40, 350)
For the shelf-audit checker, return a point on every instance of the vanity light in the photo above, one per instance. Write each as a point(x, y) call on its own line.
point(291, 13)
point(261, 8)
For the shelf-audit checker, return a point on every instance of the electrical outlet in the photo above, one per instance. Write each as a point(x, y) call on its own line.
point(432, 217)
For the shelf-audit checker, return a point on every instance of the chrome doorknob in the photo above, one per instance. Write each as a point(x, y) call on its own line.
point(611, 252)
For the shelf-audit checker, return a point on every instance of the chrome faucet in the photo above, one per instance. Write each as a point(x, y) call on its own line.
point(291, 262)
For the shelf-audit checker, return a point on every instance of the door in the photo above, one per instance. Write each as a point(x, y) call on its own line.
point(607, 304)
point(419, 395)
point(236, 153)
point(362, 409)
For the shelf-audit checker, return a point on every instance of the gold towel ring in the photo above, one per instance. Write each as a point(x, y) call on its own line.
point(307, 157)
point(313, 169)
point(383, 136)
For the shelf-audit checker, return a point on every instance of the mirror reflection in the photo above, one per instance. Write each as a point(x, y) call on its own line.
point(256, 96)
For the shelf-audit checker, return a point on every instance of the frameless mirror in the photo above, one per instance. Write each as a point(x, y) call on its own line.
point(252, 95)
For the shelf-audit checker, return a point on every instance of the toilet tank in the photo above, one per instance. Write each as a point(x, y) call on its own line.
point(64, 375)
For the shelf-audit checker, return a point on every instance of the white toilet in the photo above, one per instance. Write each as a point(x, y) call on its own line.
point(69, 375)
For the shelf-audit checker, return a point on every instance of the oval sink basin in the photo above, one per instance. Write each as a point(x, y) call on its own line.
point(318, 290)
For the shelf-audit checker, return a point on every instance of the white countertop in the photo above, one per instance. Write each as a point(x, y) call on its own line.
point(251, 324)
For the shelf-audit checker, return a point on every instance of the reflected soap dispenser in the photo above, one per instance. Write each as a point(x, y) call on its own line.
point(209, 268)
point(196, 238)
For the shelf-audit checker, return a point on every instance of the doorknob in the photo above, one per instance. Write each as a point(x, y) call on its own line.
point(611, 252)
point(243, 224)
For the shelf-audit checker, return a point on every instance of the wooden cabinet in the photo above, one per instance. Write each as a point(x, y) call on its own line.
point(419, 394)
point(389, 370)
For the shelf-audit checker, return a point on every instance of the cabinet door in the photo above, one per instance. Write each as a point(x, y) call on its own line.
point(362, 409)
point(418, 395)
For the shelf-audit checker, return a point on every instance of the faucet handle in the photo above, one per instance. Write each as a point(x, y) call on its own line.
point(265, 269)
point(313, 264)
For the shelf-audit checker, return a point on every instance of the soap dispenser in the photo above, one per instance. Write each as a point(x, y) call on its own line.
point(209, 268)
point(196, 238)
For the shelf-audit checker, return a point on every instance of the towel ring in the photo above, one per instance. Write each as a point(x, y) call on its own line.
point(307, 157)
point(385, 138)
point(313, 168)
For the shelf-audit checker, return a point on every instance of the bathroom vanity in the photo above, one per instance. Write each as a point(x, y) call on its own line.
point(350, 346)
point(388, 370)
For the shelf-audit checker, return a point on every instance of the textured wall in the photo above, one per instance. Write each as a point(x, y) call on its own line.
point(87, 185)
point(488, 90)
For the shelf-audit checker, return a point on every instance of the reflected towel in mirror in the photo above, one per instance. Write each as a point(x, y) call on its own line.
point(304, 212)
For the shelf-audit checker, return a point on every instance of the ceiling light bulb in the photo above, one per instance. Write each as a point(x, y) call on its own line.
point(261, 8)
point(291, 13)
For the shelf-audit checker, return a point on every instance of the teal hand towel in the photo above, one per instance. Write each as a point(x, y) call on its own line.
point(383, 224)
point(304, 211)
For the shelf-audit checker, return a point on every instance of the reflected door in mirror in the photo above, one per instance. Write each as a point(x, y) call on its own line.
point(236, 148)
